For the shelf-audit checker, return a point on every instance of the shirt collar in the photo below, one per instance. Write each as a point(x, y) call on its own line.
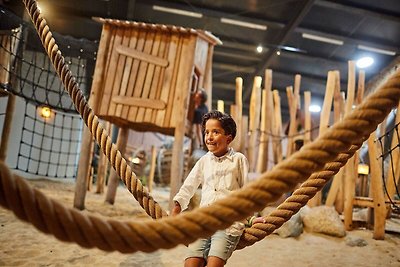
point(228, 155)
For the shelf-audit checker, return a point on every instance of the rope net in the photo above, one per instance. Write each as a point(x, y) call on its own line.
point(48, 146)
point(317, 161)
point(391, 164)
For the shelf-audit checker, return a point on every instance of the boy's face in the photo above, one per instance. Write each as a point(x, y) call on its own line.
point(216, 140)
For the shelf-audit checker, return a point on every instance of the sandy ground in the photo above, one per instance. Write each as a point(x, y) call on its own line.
point(22, 245)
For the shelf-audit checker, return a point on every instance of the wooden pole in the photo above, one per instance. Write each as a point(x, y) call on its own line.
point(237, 143)
point(152, 168)
point(87, 141)
point(114, 179)
point(307, 117)
point(293, 120)
point(5, 135)
point(102, 167)
point(266, 123)
point(254, 121)
point(220, 106)
point(277, 144)
point(377, 190)
point(324, 122)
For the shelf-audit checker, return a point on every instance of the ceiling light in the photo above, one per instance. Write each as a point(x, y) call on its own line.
point(244, 24)
point(259, 49)
point(314, 108)
point(322, 39)
point(376, 50)
point(365, 62)
point(178, 11)
point(278, 52)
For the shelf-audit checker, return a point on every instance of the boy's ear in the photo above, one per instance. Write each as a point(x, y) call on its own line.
point(229, 139)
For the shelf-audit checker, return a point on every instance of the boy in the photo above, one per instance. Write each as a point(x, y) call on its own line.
point(220, 172)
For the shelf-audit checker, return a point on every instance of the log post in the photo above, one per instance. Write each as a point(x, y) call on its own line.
point(114, 179)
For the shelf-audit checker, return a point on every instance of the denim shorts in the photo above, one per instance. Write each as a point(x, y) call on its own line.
point(219, 245)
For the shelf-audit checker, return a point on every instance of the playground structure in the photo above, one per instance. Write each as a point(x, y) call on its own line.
point(329, 152)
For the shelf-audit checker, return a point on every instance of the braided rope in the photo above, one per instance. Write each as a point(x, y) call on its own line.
point(91, 231)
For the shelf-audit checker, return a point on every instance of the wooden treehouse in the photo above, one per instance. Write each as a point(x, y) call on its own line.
point(146, 76)
point(146, 73)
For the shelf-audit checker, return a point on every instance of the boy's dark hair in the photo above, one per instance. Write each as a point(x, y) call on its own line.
point(227, 123)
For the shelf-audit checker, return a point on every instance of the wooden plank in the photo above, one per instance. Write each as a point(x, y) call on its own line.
point(139, 102)
point(112, 61)
point(149, 58)
point(119, 70)
point(149, 78)
point(138, 45)
point(377, 190)
point(351, 87)
point(103, 53)
point(166, 94)
point(171, 86)
point(183, 81)
point(160, 82)
point(156, 82)
point(127, 72)
point(141, 76)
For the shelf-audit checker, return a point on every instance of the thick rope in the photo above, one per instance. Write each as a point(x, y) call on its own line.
point(91, 231)
point(168, 232)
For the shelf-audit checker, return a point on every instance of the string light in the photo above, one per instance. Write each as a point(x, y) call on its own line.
point(45, 112)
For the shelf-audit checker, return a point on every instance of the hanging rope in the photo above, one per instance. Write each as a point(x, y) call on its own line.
point(91, 231)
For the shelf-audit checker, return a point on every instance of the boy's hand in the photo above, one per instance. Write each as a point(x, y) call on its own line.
point(258, 220)
point(176, 209)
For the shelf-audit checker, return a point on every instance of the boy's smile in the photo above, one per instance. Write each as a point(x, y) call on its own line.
point(215, 138)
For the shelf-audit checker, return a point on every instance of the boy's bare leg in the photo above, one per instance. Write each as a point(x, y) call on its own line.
point(195, 262)
point(215, 262)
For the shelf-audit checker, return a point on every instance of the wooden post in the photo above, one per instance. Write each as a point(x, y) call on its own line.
point(262, 160)
point(102, 167)
point(254, 121)
point(277, 129)
point(220, 106)
point(266, 123)
point(5, 135)
point(181, 96)
point(377, 190)
point(114, 179)
point(237, 142)
point(152, 168)
point(307, 117)
point(293, 120)
point(324, 122)
point(87, 143)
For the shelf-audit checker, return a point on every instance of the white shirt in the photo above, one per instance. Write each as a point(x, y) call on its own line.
point(219, 176)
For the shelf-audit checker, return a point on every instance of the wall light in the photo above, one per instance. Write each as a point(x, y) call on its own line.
point(259, 49)
point(45, 112)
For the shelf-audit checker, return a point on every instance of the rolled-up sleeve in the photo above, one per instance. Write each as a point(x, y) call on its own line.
point(190, 186)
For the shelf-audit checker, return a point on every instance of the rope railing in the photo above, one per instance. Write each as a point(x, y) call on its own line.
point(328, 152)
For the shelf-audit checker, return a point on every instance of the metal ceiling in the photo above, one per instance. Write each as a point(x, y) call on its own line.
point(345, 29)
